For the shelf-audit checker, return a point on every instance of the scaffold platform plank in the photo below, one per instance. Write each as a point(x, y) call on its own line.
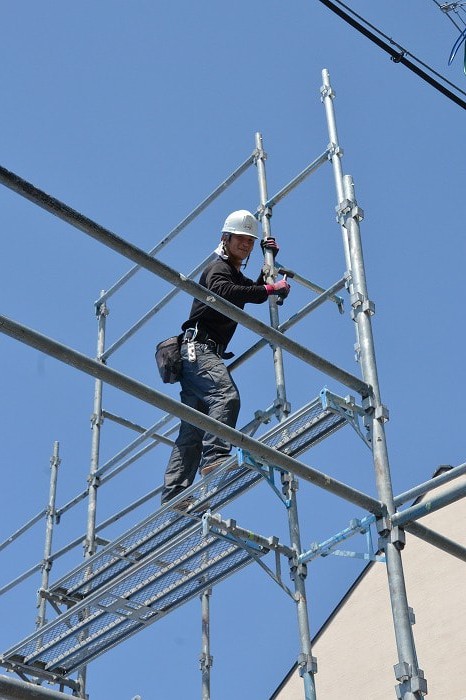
point(159, 564)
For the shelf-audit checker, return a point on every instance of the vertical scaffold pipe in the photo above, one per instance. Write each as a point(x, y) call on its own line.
point(306, 662)
point(335, 152)
point(50, 519)
point(282, 406)
point(206, 659)
point(412, 683)
point(362, 309)
point(335, 155)
point(96, 424)
point(93, 479)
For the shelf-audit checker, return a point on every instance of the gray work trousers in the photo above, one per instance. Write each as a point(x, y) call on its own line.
point(207, 386)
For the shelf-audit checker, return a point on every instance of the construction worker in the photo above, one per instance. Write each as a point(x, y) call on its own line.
point(206, 383)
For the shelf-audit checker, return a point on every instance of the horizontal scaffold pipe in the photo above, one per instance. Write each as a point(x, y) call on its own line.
point(14, 689)
point(437, 540)
point(260, 451)
point(429, 505)
point(111, 240)
point(23, 529)
point(439, 480)
point(296, 277)
point(19, 579)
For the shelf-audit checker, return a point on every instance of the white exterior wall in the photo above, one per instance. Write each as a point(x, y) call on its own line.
point(356, 652)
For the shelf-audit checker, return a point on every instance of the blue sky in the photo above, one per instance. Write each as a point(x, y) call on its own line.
point(132, 113)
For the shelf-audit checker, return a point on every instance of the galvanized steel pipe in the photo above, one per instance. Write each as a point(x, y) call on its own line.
point(429, 505)
point(349, 217)
point(14, 689)
point(47, 563)
point(265, 214)
point(421, 489)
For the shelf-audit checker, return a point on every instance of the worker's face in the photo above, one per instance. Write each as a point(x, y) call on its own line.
point(239, 247)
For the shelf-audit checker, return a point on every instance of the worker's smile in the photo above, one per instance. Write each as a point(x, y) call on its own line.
point(240, 246)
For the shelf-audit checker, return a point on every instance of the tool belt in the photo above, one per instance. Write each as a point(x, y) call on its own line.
point(200, 336)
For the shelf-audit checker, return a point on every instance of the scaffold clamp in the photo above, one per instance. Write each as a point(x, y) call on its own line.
point(368, 404)
point(357, 213)
point(327, 91)
point(356, 299)
point(344, 207)
point(383, 528)
point(395, 535)
point(382, 413)
point(281, 405)
point(360, 303)
point(334, 150)
point(258, 154)
point(263, 416)
point(206, 661)
point(101, 308)
point(409, 681)
point(368, 307)
point(96, 419)
point(289, 482)
point(297, 569)
point(307, 664)
point(264, 211)
point(356, 524)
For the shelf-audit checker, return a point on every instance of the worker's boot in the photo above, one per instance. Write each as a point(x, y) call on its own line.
point(216, 464)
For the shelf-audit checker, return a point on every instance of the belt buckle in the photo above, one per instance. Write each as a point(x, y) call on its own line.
point(190, 334)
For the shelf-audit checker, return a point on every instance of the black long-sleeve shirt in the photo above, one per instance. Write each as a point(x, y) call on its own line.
point(229, 283)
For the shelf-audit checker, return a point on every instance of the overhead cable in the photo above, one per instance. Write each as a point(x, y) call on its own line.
point(397, 53)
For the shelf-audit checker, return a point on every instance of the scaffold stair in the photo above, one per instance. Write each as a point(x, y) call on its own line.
point(161, 563)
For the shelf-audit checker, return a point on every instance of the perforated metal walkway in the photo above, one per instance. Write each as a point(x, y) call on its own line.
point(158, 565)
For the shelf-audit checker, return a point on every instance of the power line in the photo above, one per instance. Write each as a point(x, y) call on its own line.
point(397, 53)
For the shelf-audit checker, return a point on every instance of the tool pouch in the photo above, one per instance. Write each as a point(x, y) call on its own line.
point(168, 359)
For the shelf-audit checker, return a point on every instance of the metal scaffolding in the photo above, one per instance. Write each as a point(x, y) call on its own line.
point(124, 585)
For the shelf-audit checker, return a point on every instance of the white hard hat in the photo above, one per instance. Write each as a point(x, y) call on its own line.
point(241, 223)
